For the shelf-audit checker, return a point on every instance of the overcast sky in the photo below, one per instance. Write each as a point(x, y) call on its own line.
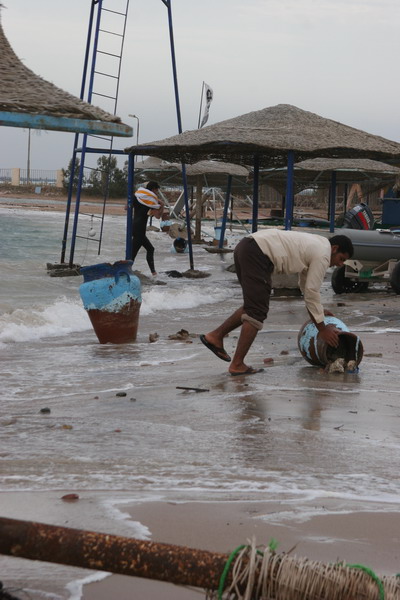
point(336, 58)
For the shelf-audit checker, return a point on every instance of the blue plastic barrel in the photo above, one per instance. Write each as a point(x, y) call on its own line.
point(319, 353)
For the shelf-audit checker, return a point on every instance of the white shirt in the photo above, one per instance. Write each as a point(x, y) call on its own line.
point(307, 254)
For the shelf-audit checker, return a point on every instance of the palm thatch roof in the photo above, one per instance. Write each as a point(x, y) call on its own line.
point(270, 133)
point(348, 167)
point(27, 100)
point(318, 171)
point(214, 167)
point(151, 162)
point(211, 173)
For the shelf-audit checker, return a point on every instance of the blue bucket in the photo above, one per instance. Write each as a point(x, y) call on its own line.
point(217, 232)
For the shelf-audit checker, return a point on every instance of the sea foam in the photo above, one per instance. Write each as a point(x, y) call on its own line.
point(174, 299)
point(75, 588)
point(27, 324)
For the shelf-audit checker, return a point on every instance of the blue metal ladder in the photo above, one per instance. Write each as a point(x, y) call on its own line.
point(104, 49)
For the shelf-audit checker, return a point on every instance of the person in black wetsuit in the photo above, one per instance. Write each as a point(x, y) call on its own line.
point(145, 203)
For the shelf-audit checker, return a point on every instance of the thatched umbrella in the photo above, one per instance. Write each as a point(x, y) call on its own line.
point(318, 171)
point(27, 100)
point(349, 170)
point(270, 133)
point(151, 163)
point(215, 172)
point(272, 137)
point(155, 168)
point(212, 172)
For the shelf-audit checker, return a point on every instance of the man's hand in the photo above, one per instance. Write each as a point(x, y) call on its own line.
point(330, 335)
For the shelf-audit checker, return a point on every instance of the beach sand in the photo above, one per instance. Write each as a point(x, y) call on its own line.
point(333, 531)
point(356, 537)
point(57, 202)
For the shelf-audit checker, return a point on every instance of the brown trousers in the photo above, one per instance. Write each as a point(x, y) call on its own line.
point(254, 271)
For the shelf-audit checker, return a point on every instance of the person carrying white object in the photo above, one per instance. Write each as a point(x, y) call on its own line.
point(148, 198)
point(145, 203)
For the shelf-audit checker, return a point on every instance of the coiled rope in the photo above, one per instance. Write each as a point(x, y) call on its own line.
point(266, 575)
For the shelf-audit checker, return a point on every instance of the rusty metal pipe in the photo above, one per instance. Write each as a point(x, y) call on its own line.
point(112, 553)
point(181, 565)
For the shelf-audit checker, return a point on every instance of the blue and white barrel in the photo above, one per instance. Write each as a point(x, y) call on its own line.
point(319, 353)
point(111, 294)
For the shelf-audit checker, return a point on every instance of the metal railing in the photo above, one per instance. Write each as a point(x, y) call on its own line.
point(38, 177)
point(18, 176)
point(5, 176)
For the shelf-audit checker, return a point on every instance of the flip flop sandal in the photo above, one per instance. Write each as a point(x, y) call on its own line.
point(220, 352)
point(249, 371)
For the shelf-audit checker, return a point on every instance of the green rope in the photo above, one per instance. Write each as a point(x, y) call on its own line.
point(226, 569)
point(374, 577)
point(273, 544)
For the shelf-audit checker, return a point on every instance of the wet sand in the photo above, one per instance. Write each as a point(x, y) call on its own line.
point(332, 531)
point(355, 537)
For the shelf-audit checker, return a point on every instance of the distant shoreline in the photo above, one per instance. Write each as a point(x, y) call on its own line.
point(58, 202)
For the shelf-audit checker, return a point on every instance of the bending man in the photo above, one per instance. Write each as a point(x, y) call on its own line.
point(145, 203)
point(275, 251)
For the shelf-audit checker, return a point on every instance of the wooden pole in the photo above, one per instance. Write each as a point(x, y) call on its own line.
point(199, 208)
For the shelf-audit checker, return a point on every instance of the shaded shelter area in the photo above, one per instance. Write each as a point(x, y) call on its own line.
point(212, 172)
point(318, 171)
point(273, 137)
point(209, 174)
point(27, 100)
point(215, 175)
point(328, 173)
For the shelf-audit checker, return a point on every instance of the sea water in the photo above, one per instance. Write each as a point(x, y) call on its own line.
point(288, 434)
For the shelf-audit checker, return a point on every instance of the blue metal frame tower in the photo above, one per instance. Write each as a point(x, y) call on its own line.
point(90, 79)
